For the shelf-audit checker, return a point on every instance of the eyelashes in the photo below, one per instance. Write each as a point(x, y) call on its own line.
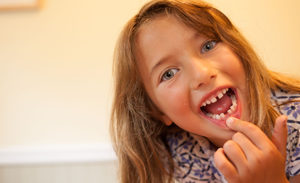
point(208, 45)
point(169, 74)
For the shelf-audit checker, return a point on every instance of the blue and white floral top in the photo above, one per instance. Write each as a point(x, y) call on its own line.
point(193, 154)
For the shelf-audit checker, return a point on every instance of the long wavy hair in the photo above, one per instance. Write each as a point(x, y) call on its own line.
point(137, 133)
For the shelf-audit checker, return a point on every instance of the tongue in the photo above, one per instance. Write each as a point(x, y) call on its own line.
point(220, 106)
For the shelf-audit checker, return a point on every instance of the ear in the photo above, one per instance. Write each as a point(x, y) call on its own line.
point(166, 120)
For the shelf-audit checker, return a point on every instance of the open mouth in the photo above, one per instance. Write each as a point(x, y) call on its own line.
point(221, 105)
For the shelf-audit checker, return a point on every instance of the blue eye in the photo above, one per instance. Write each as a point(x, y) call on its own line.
point(169, 74)
point(209, 45)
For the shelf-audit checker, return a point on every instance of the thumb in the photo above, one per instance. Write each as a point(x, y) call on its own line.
point(279, 135)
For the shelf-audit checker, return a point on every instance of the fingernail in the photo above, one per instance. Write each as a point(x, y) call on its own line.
point(229, 121)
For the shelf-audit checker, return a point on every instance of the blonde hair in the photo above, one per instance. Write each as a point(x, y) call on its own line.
point(136, 131)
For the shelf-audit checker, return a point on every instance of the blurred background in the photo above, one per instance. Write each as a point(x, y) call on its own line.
point(56, 80)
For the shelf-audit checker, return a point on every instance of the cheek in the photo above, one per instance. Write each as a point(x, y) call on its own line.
point(233, 67)
point(229, 62)
point(239, 74)
point(173, 101)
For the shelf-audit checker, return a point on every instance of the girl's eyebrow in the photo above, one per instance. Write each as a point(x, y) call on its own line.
point(159, 63)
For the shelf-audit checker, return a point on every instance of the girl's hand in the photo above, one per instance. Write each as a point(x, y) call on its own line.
point(251, 156)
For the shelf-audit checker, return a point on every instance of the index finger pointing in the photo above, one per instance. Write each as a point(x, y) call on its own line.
point(250, 130)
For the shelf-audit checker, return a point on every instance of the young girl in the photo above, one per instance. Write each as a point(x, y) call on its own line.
point(194, 103)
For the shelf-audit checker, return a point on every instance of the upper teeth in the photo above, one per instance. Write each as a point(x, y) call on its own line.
point(219, 95)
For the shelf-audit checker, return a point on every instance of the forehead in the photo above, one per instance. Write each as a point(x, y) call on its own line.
point(161, 29)
point(160, 36)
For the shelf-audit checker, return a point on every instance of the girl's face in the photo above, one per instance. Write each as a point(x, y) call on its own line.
point(196, 82)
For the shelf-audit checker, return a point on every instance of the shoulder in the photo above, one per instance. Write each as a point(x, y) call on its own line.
point(288, 103)
point(281, 95)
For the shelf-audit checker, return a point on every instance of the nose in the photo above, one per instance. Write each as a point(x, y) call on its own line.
point(202, 72)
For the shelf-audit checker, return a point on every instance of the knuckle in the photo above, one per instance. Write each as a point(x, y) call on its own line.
point(237, 136)
point(272, 154)
point(260, 160)
point(218, 160)
point(269, 152)
point(251, 127)
point(236, 179)
point(221, 165)
point(247, 171)
point(228, 145)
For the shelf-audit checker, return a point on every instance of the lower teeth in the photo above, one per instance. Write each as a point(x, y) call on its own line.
point(230, 110)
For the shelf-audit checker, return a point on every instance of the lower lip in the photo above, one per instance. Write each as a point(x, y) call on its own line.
point(222, 122)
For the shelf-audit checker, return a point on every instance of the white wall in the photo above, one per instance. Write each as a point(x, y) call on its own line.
point(55, 63)
point(55, 71)
point(272, 26)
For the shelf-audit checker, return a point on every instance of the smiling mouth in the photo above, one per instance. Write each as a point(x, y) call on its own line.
point(221, 105)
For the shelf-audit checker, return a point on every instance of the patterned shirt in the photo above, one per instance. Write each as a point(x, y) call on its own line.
point(193, 154)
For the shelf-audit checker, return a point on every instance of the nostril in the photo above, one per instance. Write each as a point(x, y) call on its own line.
point(201, 82)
